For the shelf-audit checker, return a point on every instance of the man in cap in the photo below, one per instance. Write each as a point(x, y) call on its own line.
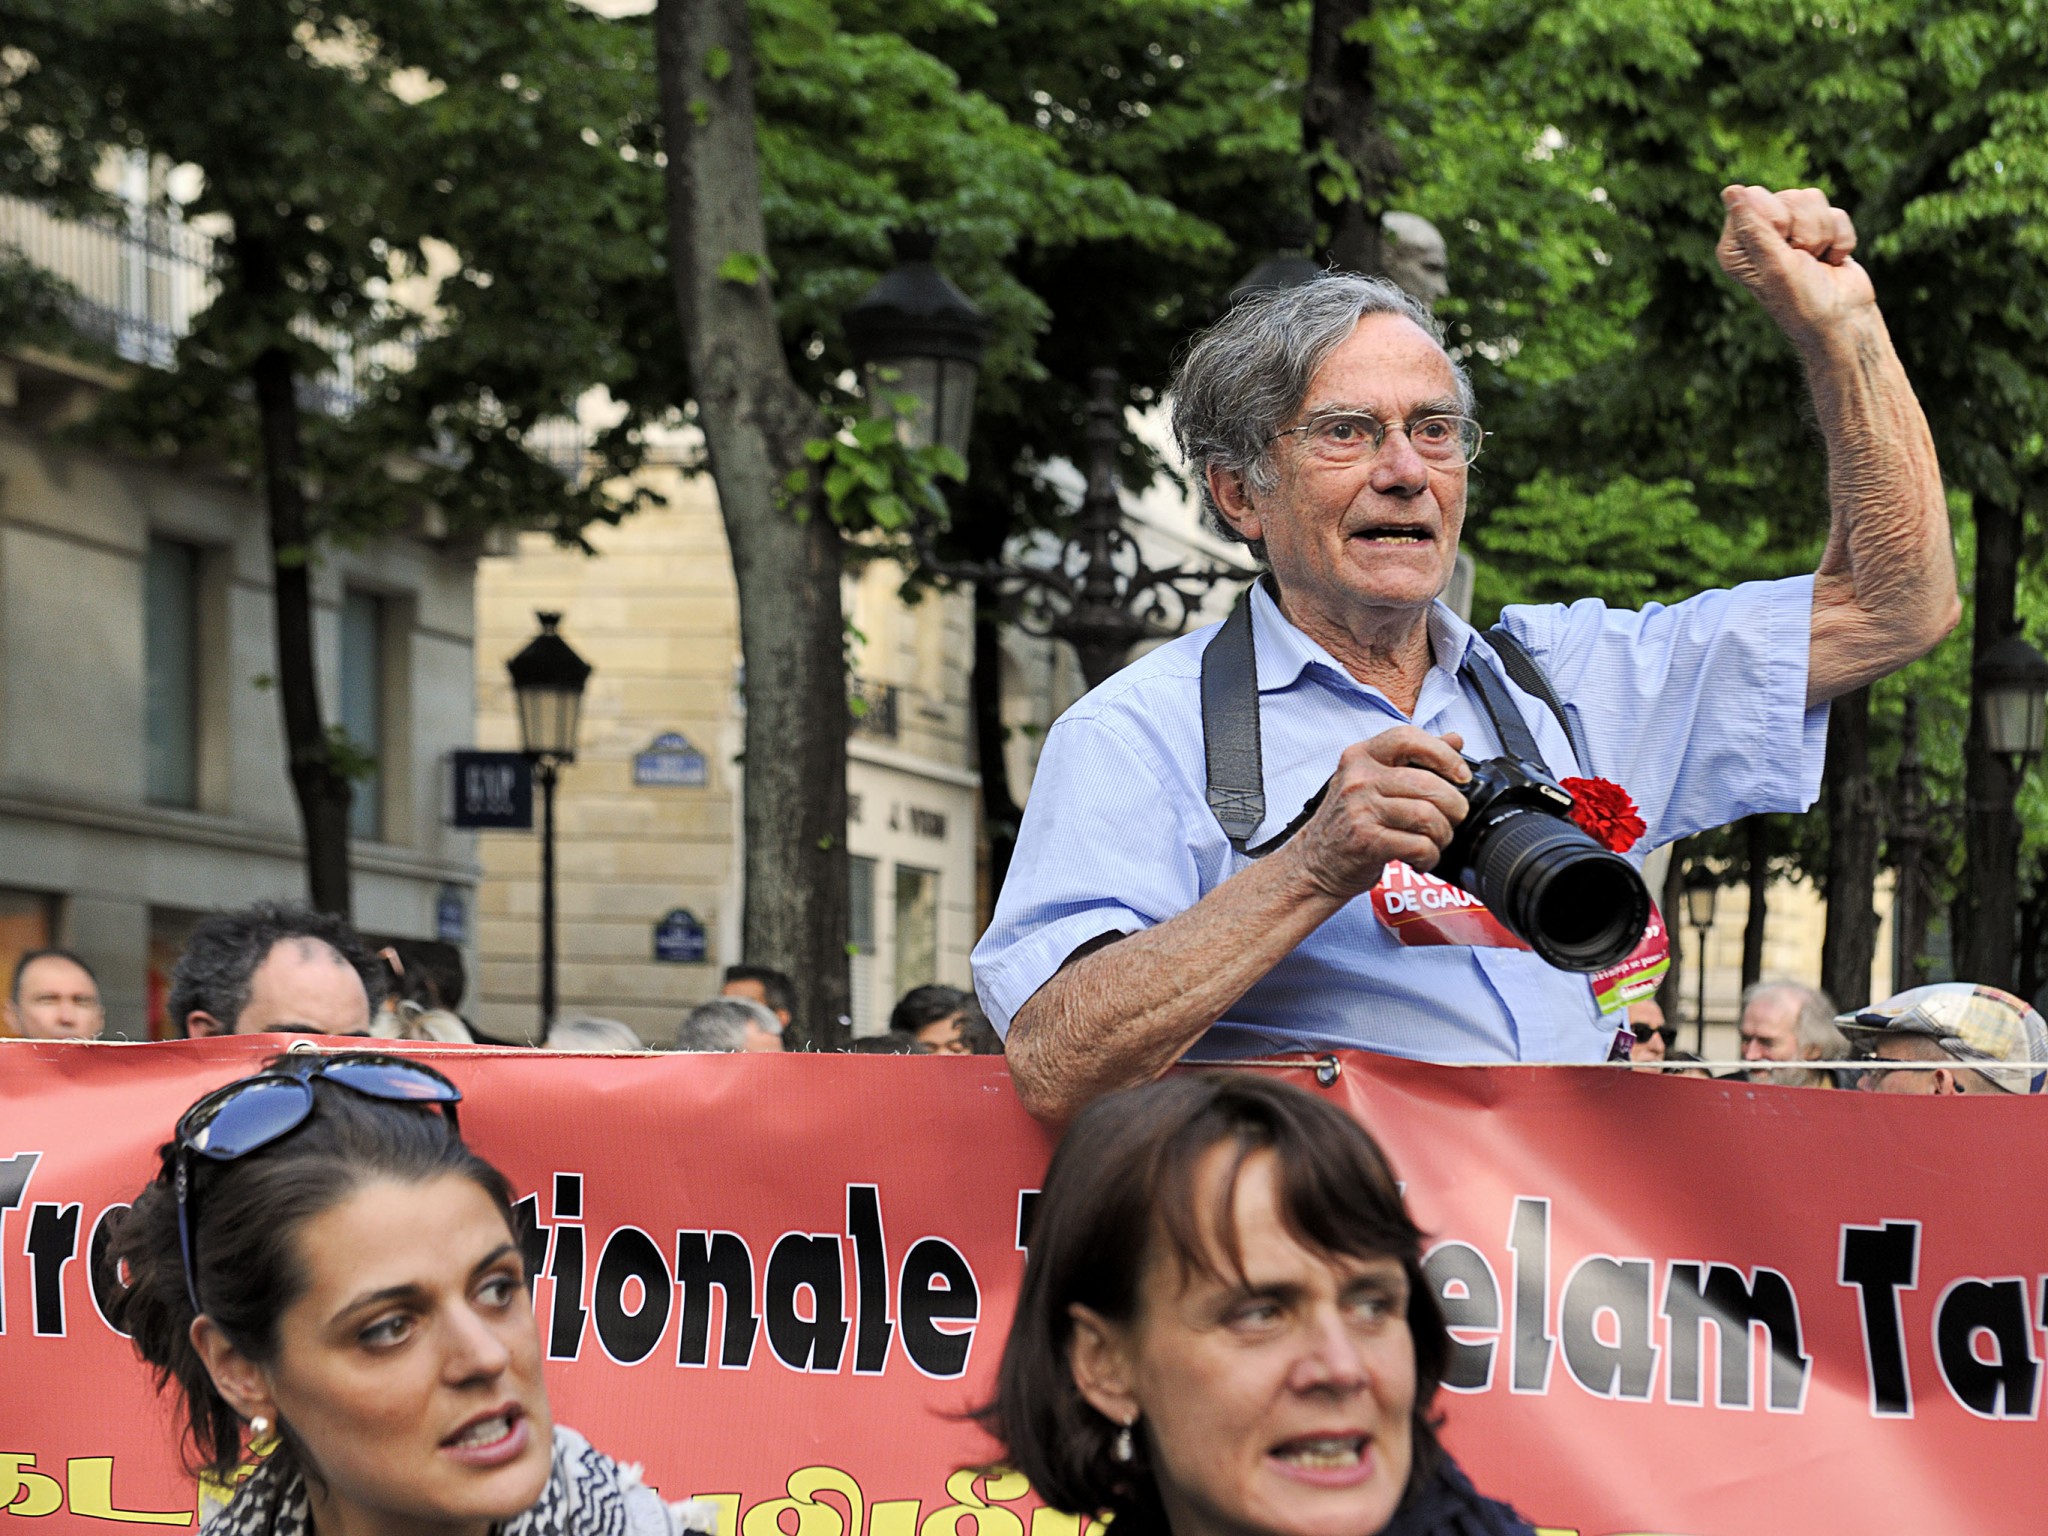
point(1959, 1038)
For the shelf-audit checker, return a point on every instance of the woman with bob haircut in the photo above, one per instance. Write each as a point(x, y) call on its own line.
point(1224, 1329)
point(326, 1272)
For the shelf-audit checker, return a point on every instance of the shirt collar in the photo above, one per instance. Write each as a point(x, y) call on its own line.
point(1284, 652)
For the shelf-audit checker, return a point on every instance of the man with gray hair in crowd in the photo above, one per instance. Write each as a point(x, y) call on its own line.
point(1790, 1021)
point(726, 1024)
point(1156, 910)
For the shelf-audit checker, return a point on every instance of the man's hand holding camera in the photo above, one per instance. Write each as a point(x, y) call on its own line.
point(1393, 797)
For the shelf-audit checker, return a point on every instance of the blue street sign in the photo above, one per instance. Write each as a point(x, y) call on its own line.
point(451, 915)
point(492, 789)
point(679, 939)
point(670, 762)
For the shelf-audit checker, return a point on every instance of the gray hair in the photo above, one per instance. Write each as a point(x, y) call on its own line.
point(1244, 378)
point(1816, 1020)
point(588, 1034)
point(721, 1024)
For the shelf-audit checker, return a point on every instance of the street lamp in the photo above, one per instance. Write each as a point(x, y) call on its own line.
point(1701, 890)
point(548, 680)
point(2011, 684)
point(915, 333)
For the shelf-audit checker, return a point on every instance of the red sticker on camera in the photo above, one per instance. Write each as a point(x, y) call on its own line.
point(1427, 909)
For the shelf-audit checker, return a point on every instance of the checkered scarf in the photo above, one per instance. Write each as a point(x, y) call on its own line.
point(587, 1494)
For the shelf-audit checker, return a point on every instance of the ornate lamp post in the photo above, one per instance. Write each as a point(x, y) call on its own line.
point(1097, 594)
point(548, 679)
point(2010, 684)
point(1701, 891)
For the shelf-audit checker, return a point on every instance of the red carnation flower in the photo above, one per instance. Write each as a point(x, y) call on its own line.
point(1605, 813)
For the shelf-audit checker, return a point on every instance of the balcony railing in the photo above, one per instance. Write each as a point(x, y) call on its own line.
point(138, 285)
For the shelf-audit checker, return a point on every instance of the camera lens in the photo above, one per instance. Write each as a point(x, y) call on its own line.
point(1579, 905)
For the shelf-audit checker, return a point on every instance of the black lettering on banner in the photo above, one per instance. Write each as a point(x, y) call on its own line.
point(531, 1234)
point(104, 1284)
point(1468, 1294)
point(2007, 1387)
point(802, 1261)
point(15, 1172)
point(565, 1328)
point(938, 1287)
point(1716, 1293)
point(1027, 1212)
point(52, 1243)
point(629, 1336)
point(871, 1271)
point(1529, 1241)
point(721, 1259)
point(1627, 1368)
point(1880, 1262)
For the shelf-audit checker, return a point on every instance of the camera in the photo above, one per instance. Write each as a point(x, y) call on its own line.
point(1579, 905)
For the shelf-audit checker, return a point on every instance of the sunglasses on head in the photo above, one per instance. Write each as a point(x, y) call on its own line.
point(245, 1116)
point(1668, 1033)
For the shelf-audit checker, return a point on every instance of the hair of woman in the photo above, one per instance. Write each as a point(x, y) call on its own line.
point(1122, 1193)
point(250, 1212)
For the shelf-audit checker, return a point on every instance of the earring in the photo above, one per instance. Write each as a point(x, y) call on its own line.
point(1120, 1449)
point(259, 1426)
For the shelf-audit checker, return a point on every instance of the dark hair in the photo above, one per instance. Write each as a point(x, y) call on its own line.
point(21, 966)
point(1121, 1195)
point(432, 976)
point(978, 1033)
point(250, 1211)
point(894, 1042)
point(927, 1005)
point(226, 949)
point(776, 988)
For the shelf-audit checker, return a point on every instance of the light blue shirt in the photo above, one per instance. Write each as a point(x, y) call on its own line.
point(1698, 710)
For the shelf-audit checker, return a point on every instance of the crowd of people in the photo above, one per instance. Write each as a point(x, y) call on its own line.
point(275, 967)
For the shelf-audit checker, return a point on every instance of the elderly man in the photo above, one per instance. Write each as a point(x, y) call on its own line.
point(273, 968)
point(1332, 432)
point(1789, 1021)
point(1653, 1037)
point(55, 997)
point(1951, 1037)
point(728, 1023)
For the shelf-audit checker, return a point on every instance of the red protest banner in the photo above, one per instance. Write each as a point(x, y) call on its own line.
point(1685, 1308)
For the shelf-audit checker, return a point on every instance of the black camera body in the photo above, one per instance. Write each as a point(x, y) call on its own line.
point(1578, 904)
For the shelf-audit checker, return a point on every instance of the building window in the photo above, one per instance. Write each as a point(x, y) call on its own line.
point(860, 930)
point(362, 704)
point(917, 927)
point(171, 669)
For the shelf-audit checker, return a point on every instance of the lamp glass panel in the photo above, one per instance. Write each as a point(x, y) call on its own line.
point(956, 403)
point(547, 721)
point(1699, 905)
point(917, 376)
point(2013, 719)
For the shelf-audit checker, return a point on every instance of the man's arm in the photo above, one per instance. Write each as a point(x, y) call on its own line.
point(1122, 1014)
point(1885, 593)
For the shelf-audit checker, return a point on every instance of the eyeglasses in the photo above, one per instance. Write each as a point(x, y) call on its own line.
point(1352, 437)
point(245, 1116)
point(1668, 1033)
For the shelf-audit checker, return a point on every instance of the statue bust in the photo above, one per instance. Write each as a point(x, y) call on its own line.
point(1414, 255)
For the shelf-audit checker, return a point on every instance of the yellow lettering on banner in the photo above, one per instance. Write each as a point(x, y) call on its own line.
point(893, 1517)
point(1047, 1521)
point(27, 1493)
point(1003, 1485)
point(92, 1495)
point(812, 1518)
point(728, 1507)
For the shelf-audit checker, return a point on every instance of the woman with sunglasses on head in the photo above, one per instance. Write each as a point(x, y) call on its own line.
point(1224, 1329)
point(322, 1260)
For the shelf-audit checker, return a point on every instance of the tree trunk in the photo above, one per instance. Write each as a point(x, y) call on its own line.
point(786, 554)
point(1671, 902)
point(1989, 890)
point(1340, 120)
point(1850, 942)
point(323, 792)
point(1000, 813)
point(1756, 871)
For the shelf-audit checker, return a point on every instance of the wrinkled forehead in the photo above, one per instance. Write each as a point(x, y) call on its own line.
point(1388, 364)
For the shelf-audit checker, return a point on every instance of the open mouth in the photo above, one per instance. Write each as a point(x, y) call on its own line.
point(494, 1432)
point(1323, 1453)
point(1398, 534)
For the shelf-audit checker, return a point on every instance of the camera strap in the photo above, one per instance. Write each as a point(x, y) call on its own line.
point(1235, 761)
